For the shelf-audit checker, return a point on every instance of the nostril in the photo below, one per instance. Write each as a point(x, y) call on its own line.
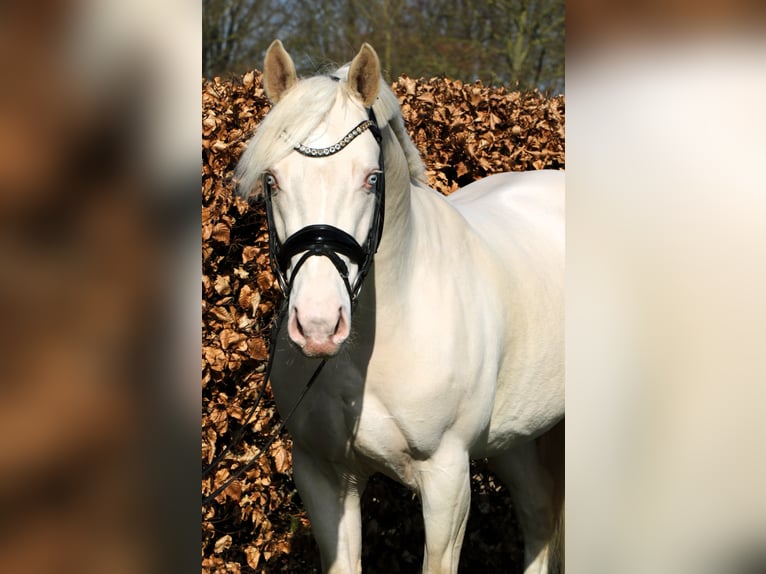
point(295, 329)
point(316, 335)
point(341, 327)
point(340, 318)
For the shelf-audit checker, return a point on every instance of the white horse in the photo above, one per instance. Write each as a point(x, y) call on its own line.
point(455, 346)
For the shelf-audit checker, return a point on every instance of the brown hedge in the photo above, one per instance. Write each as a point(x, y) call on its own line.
point(465, 132)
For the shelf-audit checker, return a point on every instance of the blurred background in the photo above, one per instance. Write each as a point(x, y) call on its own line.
point(100, 278)
point(518, 43)
point(99, 286)
point(665, 312)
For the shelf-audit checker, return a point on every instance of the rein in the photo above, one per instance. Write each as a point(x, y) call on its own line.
point(313, 240)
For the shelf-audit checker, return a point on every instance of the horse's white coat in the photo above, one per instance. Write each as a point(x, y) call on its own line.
point(455, 348)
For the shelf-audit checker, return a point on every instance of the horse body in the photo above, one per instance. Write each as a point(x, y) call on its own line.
point(455, 350)
point(520, 218)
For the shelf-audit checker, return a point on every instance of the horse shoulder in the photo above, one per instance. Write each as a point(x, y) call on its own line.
point(445, 312)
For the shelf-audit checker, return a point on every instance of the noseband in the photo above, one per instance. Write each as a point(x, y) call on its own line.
point(327, 240)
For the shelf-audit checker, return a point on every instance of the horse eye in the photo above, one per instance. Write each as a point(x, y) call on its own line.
point(271, 181)
point(372, 180)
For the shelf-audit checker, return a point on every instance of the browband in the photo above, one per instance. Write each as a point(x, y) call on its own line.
point(335, 148)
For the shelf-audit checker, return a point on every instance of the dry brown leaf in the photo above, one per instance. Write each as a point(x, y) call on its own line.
point(223, 543)
point(222, 313)
point(253, 556)
point(221, 285)
point(229, 338)
point(257, 349)
point(221, 232)
point(281, 458)
point(215, 358)
point(249, 253)
point(265, 280)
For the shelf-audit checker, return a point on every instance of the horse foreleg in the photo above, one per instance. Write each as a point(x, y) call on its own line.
point(531, 488)
point(331, 497)
point(445, 491)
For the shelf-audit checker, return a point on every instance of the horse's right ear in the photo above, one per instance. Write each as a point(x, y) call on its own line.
point(278, 72)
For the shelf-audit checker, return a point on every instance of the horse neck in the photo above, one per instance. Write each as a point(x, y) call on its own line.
point(396, 243)
point(416, 216)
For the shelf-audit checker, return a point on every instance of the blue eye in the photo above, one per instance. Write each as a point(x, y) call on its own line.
point(372, 180)
point(271, 181)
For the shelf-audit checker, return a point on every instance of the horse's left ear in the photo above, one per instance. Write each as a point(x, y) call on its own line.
point(364, 75)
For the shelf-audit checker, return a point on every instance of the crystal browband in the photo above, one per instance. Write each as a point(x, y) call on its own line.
point(335, 148)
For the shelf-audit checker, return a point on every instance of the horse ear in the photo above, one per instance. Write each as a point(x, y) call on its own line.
point(278, 71)
point(364, 75)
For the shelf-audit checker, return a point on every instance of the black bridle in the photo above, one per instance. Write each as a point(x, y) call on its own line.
point(327, 240)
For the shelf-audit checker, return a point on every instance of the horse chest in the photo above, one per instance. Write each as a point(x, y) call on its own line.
point(388, 443)
point(403, 418)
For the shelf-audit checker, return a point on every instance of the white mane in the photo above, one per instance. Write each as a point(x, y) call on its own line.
point(300, 111)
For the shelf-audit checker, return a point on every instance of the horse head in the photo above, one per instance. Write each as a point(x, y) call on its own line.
point(321, 171)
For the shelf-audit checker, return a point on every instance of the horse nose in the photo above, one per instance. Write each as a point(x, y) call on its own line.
point(318, 335)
